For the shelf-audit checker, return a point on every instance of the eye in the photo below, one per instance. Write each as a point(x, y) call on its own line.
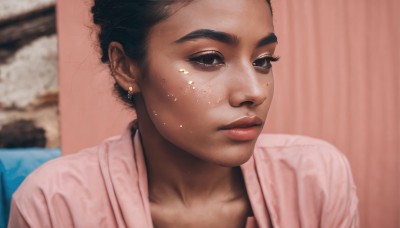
point(264, 63)
point(207, 59)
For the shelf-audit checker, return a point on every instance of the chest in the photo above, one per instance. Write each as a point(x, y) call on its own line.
point(229, 214)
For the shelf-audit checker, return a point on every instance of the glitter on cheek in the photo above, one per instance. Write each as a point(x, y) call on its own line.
point(172, 97)
point(183, 71)
point(190, 84)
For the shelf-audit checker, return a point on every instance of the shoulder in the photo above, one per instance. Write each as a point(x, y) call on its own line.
point(55, 172)
point(71, 181)
point(63, 191)
point(60, 181)
point(300, 167)
point(305, 159)
point(74, 169)
point(299, 150)
point(286, 141)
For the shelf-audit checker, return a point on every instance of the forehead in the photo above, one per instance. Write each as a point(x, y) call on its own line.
point(243, 18)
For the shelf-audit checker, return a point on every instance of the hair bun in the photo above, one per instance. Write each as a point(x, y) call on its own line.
point(99, 10)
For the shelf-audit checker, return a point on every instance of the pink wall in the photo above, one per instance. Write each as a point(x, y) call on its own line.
point(89, 112)
point(338, 79)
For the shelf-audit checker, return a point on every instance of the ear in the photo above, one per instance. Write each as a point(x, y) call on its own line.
point(123, 69)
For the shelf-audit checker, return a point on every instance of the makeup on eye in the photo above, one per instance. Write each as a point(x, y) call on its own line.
point(207, 59)
point(211, 59)
point(265, 61)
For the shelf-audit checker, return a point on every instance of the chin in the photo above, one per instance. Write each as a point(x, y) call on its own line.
point(234, 158)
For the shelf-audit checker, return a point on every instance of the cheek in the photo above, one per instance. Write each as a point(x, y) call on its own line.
point(181, 109)
point(270, 86)
point(175, 100)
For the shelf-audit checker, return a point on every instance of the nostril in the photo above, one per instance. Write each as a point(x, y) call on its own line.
point(256, 101)
point(239, 100)
point(247, 103)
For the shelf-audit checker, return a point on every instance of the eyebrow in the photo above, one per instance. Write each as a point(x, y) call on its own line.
point(223, 37)
point(269, 39)
point(209, 34)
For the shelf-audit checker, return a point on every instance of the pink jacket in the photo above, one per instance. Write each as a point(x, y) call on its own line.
point(292, 181)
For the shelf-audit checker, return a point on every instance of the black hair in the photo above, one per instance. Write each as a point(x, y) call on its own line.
point(129, 22)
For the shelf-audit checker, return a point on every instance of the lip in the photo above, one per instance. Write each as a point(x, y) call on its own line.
point(243, 129)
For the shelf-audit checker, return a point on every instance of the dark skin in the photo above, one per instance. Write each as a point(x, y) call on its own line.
point(203, 75)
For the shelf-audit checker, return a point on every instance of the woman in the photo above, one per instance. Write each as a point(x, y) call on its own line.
point(198, 73)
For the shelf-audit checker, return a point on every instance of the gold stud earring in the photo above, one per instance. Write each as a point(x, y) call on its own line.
point(130, 92)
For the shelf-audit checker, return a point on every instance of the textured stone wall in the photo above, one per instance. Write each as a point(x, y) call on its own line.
point(28, 68)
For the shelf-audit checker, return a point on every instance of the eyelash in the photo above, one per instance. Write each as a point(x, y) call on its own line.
point(213, 59)
point(269, 59)
point(199, 59)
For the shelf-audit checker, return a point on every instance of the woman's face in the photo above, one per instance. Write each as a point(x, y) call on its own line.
point(209, 82)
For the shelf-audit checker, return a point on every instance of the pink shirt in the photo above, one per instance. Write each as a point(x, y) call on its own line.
point(292, 181)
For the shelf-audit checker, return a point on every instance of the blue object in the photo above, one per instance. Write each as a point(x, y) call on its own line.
point(15, 165)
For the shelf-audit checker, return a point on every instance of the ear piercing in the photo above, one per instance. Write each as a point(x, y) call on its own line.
point(130, 92)
point(183, 71)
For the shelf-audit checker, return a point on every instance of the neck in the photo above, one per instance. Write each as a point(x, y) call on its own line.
point(174, 174)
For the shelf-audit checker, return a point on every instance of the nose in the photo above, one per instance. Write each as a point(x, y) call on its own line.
point(249, 88)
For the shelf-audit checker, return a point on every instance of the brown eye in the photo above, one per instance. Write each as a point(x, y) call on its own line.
point(207, 59)
point(265, 62)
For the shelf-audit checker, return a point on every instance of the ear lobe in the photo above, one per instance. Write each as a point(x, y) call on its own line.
point(123, 69)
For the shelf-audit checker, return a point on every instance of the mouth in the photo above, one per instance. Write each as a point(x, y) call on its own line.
point(243, 129)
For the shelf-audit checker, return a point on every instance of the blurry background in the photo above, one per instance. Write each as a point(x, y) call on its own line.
point(338, 79)
point(28, 74)
point(29, 119)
